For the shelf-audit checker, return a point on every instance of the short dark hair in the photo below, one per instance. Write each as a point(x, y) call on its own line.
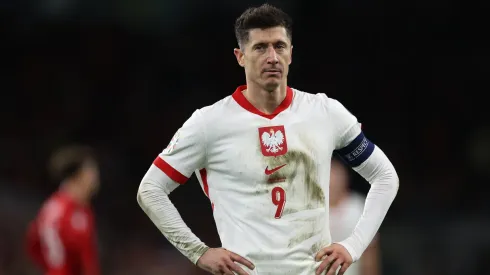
point(263, 17)
point(67, 161)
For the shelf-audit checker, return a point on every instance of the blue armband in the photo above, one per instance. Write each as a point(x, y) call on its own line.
point(357, 151)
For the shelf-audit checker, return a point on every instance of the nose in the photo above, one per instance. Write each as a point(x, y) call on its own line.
point(272, 55)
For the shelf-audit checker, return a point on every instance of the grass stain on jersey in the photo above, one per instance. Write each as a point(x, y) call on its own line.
point(315, 248)
point(309, 229)
point(301, 237)
point(294, 160)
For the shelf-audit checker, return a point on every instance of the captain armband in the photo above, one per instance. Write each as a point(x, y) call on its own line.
point(359, 150)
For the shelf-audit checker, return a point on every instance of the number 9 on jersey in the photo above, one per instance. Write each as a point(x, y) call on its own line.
point(279, 200)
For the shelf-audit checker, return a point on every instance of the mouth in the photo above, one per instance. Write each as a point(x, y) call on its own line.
point(272, 72)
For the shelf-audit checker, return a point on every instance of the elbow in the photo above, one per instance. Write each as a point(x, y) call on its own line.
point(140, 194)
point(395, 183)
point(148, 191)
point(390, 182)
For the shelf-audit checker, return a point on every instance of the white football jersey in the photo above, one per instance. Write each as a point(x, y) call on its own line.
point(343, 220)
point(267, 176)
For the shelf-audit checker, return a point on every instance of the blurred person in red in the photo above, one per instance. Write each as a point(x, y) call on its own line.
point(61, 239)
point(346, 208)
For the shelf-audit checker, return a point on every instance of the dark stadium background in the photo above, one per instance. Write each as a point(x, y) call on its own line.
point(122, 76)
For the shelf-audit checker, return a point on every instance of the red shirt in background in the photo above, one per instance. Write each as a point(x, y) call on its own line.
point(61, 240)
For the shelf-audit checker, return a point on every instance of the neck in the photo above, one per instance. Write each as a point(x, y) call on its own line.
point(73, 190)
point(264, 100)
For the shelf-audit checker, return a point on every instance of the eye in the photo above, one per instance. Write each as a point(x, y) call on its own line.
point(259, 47)
point(280, 47)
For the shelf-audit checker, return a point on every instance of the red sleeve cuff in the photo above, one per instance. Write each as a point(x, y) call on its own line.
point(170, 171)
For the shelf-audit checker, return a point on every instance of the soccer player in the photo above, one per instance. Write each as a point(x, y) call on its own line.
point(61, 239)
point(346, 208)
point(262, 157)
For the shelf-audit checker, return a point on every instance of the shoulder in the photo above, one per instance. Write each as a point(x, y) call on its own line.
point(55, 207)
point(321, 100)
point(212, 111)
point(74, 215)
point(217, 107)
point(305, 97)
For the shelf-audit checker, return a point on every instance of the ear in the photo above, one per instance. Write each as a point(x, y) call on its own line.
point(291, 55)
point(239, 57)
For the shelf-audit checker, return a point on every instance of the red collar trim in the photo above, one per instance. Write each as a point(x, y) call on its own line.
point(242, 101)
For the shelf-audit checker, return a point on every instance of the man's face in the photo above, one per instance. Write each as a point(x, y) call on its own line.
point(266, 57)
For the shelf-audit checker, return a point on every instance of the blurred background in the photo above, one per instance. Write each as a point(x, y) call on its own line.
point(122, 76)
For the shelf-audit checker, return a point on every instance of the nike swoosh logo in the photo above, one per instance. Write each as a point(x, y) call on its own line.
point(271, 171)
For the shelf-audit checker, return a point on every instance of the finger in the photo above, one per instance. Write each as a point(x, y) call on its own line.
point(333, 267)
point(325, 251)
point(225, 271)
point(326, 263)
point(234, 267)
point(223, 267)
point(343, 269)
point(239, 259)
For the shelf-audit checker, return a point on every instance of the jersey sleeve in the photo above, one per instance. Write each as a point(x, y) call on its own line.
point(186, 151)
point(345, 125)
point(372, 164)
point(47, 236)
point(380, 173)
point(350, 143)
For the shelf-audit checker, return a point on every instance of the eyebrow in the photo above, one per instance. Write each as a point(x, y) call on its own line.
point(280, 41)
